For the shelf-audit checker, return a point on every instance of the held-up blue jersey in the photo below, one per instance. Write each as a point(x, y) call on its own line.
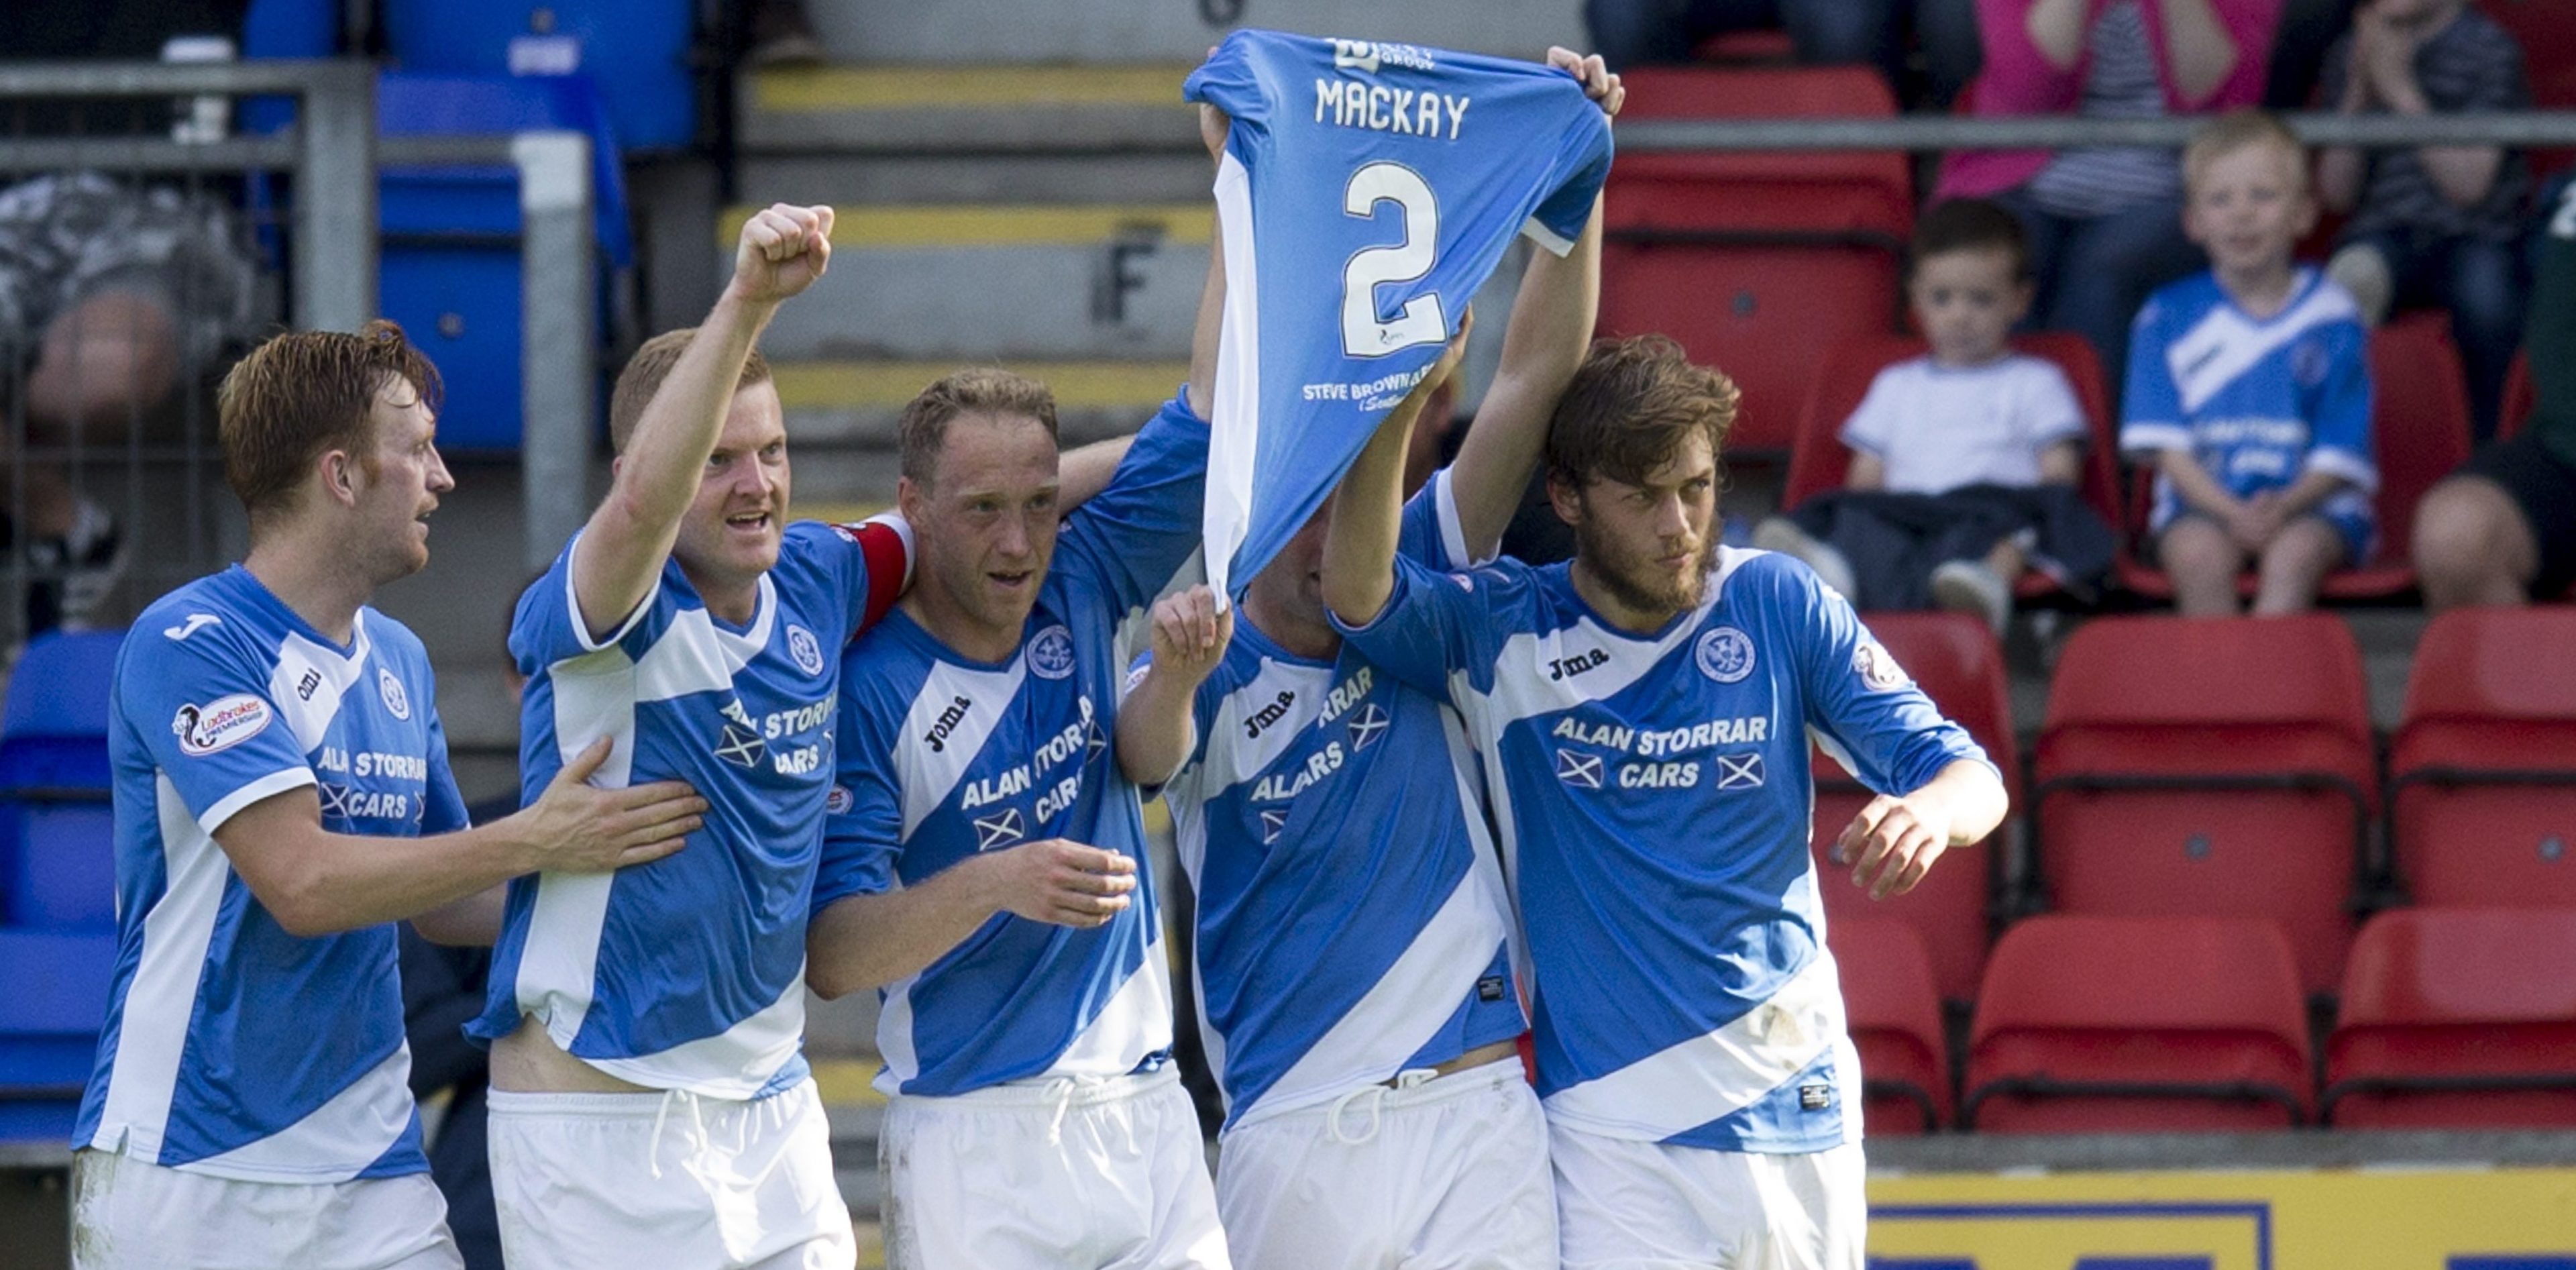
point(233, 1048)
point(689, 972)
point(2259, 402)
point(1654, 800)
point(1365, 192)
point(943, 756)
point(1351, 912)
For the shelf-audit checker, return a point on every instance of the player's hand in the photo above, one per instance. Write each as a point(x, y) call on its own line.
point(1213, 126)
point(1442, 369)
point(577, 828)
point(1190, 633)
point(1594, 74)
point(1893, 842)
point(1061, 883)
point(782, 251)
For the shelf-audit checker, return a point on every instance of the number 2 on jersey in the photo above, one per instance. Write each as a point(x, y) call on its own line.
point(1364, 334)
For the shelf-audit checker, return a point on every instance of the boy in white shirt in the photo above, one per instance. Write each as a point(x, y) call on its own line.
point(1960, 428)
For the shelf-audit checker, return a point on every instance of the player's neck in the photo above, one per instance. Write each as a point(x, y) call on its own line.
point(1605, 600)
point(727, 599)
point(315, 579)
point(965, 634)
point(1301, 635)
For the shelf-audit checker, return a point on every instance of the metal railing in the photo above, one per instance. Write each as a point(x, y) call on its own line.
point(2517, 130)
point(327, 161)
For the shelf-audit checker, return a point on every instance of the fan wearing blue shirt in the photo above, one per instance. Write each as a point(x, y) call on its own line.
point(282, 796)
point(1643, 714)
point(1351, 955)
point(984, 862)
point(2249, 388)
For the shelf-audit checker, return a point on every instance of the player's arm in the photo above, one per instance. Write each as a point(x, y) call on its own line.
point(1206, 332)
point(1156, 729)
point(1368, 507)
point(866, 940)
point(623, 547)
point(1085, 471)
point(1894, 840)
point(472, 922)
point(1550, 328)
point(315, 882)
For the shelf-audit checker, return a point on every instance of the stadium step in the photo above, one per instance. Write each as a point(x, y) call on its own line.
point(1110, 32)
point(1117, 281)
point(854, 403)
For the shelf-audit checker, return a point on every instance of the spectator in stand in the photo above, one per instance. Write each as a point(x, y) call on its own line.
point(2308, 28)
point(2502, 530)
point(1824, 33)
point(2437, 226)
point(1965, 460)
point(112, 298)
point(2249, 389)
point(2105, 223)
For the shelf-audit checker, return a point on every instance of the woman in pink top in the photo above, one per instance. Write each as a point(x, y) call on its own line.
point(2106, 222)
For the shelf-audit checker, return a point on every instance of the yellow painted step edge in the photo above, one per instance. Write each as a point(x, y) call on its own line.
point(996, 224)
point(832, 88)
point(848, 385)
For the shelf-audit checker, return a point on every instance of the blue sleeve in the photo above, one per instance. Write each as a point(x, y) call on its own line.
point(1231, 81)
point(1429, 530)
point(1436, 622)
point(1871, 716)
point(2340, 440)
point(863, 813)
point(445, 807)
point(547, 626)
point(2151, 417)
point(1584, 157)
point(203, 711)
point(869, 563)
point(1137, 533)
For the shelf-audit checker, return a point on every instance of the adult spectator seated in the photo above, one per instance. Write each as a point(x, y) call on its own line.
point(2437, 226)
point(1823, 33)
point(2502, 530)
point(2105, 222)
point(111, 297)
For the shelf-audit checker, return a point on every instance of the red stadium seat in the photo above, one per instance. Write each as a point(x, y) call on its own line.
point(1819, 461)
point(2420, 425)
point(2519, 398)
point(2457, 1019)
point(1955, 660)
point(1756, 261)
point(1895, 1024)
point(2482, 769)
point(2138, 1024)
point(2209, 766)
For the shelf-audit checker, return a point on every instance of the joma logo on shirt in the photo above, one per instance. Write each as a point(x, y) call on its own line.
point(1267, 715)
point(1568, 667)
point(937, 737)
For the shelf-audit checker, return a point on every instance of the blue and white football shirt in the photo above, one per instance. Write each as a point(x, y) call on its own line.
point(2259, 402)
point(1352, 920)
point(232, 1047)
point(1365, 192)
point(689, 972)
point(943, 756)
point(1654, 801)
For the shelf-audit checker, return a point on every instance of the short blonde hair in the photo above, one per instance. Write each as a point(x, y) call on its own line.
point(2240, 130)
point(645, 372)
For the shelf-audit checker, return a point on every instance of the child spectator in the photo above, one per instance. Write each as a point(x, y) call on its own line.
point(2248, 389)
point(2433, 225)
point(1963, 460)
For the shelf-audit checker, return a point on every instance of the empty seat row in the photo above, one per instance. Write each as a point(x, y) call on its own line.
point(2228, 768)
point(2133, 1024)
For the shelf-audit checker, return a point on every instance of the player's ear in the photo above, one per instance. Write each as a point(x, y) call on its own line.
point(910, 499)
point(339, 477)
point(1565, 499)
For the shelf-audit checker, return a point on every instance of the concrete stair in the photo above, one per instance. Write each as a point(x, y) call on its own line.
point(1126, 31)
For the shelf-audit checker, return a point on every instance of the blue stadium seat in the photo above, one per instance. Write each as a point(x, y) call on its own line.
point(449, 272)
point(57, 842)
point(49, 1023)
point(637, 51)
